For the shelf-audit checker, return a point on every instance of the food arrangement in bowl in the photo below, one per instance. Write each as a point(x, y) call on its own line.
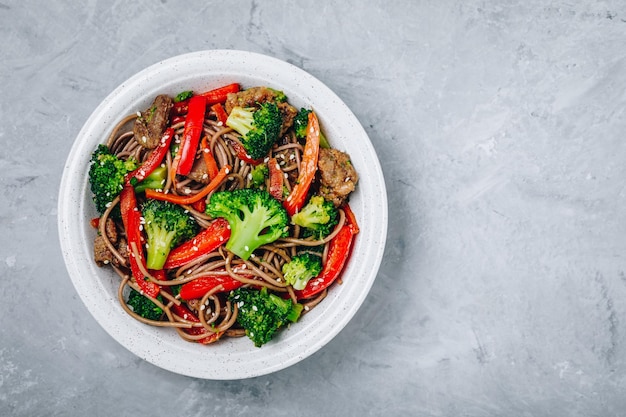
point(231, 214)
point(225, 213)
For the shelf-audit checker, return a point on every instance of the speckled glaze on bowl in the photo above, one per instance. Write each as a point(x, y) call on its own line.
point(230, 358)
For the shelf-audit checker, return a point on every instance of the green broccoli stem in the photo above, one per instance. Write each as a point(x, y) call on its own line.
point(243, 241)
point(158, 247)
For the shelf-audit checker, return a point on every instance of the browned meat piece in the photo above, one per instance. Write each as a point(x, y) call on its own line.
point(199, 172)
point(249, 98)
point(111, 230)
point(289, 113)
point(338, 177)
point(102, 254)
point(149, 127)
point(122, 248)
point(252, 97)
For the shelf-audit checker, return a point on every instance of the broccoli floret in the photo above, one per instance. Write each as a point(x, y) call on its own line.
point(300, 123)
point(144, 306)
point(301, 269)
point(255, 218)
point(259, 127)
point(279, 96)
point(261, 313)
point(156, 180)
point(166, 225)
point(106, 176)
point(319, 217)
point(259, 174)
point(183, 95)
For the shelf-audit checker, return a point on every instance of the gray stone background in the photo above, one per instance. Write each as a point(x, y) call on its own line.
point(500, 129)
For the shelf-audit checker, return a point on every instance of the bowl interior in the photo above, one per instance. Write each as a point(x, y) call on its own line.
point(230, 358)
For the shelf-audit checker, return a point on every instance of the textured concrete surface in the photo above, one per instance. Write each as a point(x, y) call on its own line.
point(500, 127)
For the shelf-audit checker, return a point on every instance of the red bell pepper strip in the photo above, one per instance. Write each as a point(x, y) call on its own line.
point(209, 158)
point(199, 205)
point(351, 218)
point(205, 242)
point(191, 134)
point(179, 108)
point(131, 220)
point(183, 199)
point(243, 155)
point(338, 253)
point(154, 159)
point(184, 312)
point(95, 222)
point(220, 113)
point(201, 285)
point(220, 94)
point(276, 179)
point(296, 199)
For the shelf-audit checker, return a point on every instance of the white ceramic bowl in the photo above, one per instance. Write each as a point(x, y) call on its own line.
point(230, 358)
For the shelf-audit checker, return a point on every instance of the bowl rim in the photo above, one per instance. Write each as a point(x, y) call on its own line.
point(231, 359)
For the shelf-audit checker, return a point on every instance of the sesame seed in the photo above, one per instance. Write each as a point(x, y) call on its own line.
point(138, 114)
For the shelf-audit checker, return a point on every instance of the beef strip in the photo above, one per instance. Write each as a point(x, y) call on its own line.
point(254, 96)
point(102, 254)
point(250, 97)
point(338, 177)
point(199, 172)
point(149, 127)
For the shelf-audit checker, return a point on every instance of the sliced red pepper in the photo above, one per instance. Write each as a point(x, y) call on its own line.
point(276, 179)
point(184, 312)
point(191, 134)
point(183, 199)
point(338, 253)
point(201, 285)
point(220, 94)
point(180, 108)
point(220, 113)
point(199, 205)
point(209, 158)
point(351, 218)
point(177, 119)
point(95, 222)
point(243, 155)
point(206, 241)
point(154, 159)
point(296, 199)
point(131, 220)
